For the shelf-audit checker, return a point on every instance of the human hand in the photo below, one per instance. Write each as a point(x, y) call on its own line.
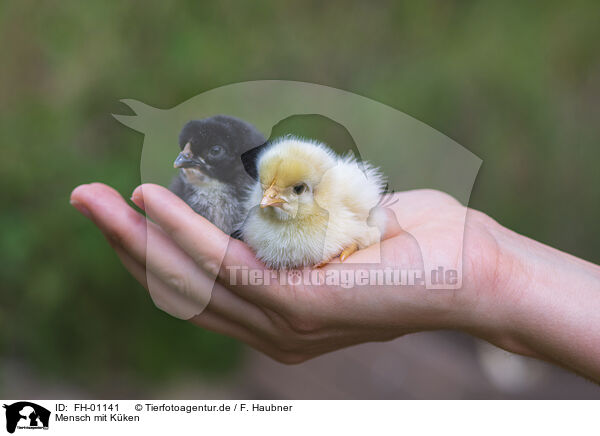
point(182, 254)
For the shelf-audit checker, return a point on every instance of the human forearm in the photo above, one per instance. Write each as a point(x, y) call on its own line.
point(546, 304)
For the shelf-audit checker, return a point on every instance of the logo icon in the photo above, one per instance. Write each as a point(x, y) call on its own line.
point(26, 415)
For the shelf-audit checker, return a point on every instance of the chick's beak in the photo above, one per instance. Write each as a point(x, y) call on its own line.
point(184, 160)
point(271, 198)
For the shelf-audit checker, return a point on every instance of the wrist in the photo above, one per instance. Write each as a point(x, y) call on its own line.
point(541, 302)
point(502, 276)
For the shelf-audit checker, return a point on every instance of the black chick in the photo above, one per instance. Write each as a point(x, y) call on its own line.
point(212, 179)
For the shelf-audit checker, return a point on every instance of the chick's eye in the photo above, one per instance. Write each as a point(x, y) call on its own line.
point(215, 151)
point(300, 188)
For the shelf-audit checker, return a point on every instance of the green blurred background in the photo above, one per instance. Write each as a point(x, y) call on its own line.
point(517, 83)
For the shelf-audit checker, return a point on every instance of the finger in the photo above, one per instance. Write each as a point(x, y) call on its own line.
point(235, 308)
point(223, 302)
point(168, 267)
point(392, 227)
point(148, 245)
point(194, 233)
point(136, 269)
point(223, 326)
point(221, 314)
point(126, 228)
point(211, 319)
point(411, 206)
point(217, 253)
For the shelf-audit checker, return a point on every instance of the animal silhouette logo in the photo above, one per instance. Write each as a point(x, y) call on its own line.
point(26, 415)
point(410, 153)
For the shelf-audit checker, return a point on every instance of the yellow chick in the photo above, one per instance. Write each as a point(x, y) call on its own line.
point(310, 205)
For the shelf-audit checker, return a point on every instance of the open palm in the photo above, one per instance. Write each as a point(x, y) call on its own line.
point(196, 272)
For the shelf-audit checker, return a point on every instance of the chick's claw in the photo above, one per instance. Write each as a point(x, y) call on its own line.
point(348, 251)
point(321, 264)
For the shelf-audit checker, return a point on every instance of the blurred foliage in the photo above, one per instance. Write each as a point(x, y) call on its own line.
point(517, 83)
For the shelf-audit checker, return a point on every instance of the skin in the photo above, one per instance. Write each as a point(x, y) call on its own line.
point(516, 293)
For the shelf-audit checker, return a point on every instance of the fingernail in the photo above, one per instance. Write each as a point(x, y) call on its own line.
point(138, 199)
point(81, 208)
